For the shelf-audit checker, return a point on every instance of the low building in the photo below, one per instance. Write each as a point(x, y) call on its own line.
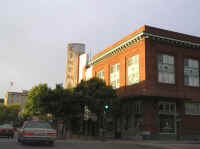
point(156, 73)
point(16, 98)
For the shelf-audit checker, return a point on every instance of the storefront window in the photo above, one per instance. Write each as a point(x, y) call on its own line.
point(167, 107)
point(167, 111)
point(167, 124)
point(192, 108)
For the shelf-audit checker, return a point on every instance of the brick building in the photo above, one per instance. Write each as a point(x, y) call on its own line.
point(156, 73)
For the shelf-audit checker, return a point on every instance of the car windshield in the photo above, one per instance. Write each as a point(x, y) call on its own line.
point(2, 126)
point(5, 126)
point(37, 124)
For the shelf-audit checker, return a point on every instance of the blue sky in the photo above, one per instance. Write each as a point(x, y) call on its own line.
point(34, 33)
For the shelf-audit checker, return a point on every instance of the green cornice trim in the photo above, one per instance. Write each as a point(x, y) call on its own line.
point(118, 48)
point(173, 41)
point(141, 36)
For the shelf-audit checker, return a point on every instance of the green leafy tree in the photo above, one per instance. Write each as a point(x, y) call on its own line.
point(36, 95)
point(95, 94)
point(2, 113)
point(58, 102)
point(9, 113)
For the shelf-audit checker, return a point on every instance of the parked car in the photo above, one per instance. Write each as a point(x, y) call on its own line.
point(36, 131)
point(7, 130)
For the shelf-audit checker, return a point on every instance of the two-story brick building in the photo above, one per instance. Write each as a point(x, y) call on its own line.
point(156, 73)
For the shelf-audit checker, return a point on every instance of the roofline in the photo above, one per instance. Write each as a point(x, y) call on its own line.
point(138, 37)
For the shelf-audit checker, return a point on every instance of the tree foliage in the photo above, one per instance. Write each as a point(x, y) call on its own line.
point(9, 113)
point(58, 102)
point(36, 95)
point(95, 94)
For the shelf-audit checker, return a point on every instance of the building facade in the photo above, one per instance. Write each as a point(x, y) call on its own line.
point(156, 73)
point(16, 98)
point(74, 50)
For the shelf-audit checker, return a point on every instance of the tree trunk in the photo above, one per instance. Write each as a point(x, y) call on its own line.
point(68, 128)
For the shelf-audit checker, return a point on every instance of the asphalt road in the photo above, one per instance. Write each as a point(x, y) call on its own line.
point(67, 144)
point(13, 144)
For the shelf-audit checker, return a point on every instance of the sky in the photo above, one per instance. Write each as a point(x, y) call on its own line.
point(34, 33)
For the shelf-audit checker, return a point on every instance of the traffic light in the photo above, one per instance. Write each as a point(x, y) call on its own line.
point(106, 107)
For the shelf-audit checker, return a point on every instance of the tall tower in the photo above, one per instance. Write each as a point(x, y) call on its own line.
point(74, 50)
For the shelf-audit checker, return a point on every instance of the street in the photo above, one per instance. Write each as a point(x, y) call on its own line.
point(13, 144)
point(74, 144)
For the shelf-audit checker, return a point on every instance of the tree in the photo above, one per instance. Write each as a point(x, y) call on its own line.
point(9, 113)
point(2, 113)
point(58, 102)
point(95, 94)
point(36, 96)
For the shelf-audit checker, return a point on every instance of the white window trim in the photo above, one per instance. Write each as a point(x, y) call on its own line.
point(171, 63)
point(101, 76)
point(117, 73)
point(192, 68)
point(137, 65)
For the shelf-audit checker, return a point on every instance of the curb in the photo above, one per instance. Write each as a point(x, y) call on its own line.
point(128, 141)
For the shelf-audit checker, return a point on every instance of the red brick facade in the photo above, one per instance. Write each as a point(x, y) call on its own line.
point(148, 48)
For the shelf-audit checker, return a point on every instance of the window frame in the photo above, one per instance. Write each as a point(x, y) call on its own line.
point(174, 68)
point(134, 65)
point(100, 76)
point(115, 69)
point(164, 103)
point(184, 67)
point(138, 107)
point(192, 104)
point(170, 114)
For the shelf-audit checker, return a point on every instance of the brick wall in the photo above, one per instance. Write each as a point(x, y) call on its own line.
point(121, 57)
point(178, 90)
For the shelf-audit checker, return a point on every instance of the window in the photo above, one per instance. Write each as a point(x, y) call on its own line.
point(100, 74)
point(191, 72)
point(132, 65)
point(167, 108)
point(192, 108)
point(166, 72)
point(114, 76)
point(167, 111)
point(167, 124)
point(138, 107)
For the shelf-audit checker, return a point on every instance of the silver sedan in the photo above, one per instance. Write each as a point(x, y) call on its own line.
point(36, 131)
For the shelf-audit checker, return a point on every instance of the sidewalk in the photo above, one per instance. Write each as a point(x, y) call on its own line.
point(113, 141)
point(154, 142)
